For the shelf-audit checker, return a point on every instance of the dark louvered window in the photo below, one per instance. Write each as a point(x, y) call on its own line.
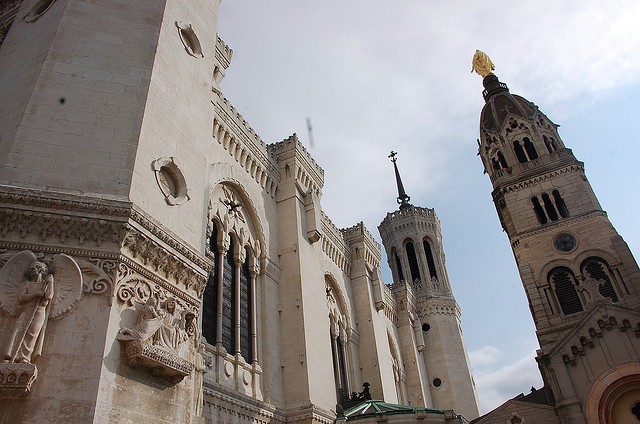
point(430, 262)
point(210, 301)
point(537, 208)
point(522, 157)
point(245, 312)
point(562, 281)
point(413, 262)
point(595, 267)
point(228, 304)
point(562, 207)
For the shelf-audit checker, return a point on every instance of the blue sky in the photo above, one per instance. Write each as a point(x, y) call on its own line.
point(375, 76)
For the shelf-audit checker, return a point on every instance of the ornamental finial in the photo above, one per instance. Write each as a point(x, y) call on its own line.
point(482, 64)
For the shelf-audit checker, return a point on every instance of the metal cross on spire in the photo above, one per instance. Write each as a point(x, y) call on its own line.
point(403, 197)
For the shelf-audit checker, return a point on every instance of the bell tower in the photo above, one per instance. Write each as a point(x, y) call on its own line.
point(580, 278)
point(413, 241)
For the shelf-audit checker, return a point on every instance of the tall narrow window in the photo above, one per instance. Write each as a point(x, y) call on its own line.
point(562, 207)
point(563, 283)
point(530, 149)
point(501, 159)
point(549, 208)
point(548, 144)
point(209, 308)
point(430, 261)
point(413, 262)
point(537, 208)
point(398, 266)
point(520, 155)
point(228, 303)
point(245, 311)
point(598, 269)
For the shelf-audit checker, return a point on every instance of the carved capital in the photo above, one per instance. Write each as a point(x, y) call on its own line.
point(16, 380)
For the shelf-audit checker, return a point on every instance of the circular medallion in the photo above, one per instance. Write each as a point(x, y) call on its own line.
point(564, 242)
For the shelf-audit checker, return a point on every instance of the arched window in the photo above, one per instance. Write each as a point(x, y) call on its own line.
point(431, 263)
point(598, 269)
point(562, 207)
point(562, 282)
point(530, 149)
point(537, 208)
point(228, 309)
point(495, 163)
point(520, 154)
point(209, 310)
point(501, 159)
point(549, 208)
point(413, 262)
point(548, 144)
point(398, 266)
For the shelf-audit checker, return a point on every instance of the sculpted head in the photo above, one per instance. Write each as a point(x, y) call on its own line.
point(37, 270)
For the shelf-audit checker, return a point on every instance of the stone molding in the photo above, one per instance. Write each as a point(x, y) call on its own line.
point(223, 53)
point(16, 379)
point(234, 135)
point(161, 362)
point(219, 396)
point(544, 177)
point(334, 245)
point(553, 226)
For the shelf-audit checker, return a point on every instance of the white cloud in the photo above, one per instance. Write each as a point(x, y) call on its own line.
point(497, 385)
point(484, 356)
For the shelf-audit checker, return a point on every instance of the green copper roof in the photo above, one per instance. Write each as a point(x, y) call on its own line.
point(372, 408)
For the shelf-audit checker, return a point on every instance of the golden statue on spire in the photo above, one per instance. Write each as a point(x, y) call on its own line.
point(482, 64)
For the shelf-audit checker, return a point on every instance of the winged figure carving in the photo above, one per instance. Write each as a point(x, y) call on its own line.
point(31, 293)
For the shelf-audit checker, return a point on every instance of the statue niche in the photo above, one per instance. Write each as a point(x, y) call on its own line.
point(159, 338)
point(32, 292)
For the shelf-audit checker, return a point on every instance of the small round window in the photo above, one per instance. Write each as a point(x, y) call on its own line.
point(189, 39)
point(170, 181)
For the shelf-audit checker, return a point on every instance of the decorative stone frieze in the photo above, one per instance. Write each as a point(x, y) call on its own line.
point(156, 257)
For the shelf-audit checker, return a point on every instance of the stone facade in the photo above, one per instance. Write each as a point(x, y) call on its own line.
point(161, 263)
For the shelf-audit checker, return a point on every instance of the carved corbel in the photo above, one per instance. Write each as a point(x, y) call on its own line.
point(312, 213)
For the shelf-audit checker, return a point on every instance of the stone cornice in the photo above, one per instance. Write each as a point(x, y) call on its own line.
point(86, 226)
point(236, 136)
point(541, 177)
point(251, 406)
point(334, 245)
point(554, 226)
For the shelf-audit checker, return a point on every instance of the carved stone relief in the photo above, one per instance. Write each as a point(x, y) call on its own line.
point(32, 291)
point(163, 333)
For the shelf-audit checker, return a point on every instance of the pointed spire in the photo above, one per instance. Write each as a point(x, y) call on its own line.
point(403, 197)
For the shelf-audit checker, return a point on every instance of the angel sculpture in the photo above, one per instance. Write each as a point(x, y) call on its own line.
point(31, 293)
point(159, 323)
